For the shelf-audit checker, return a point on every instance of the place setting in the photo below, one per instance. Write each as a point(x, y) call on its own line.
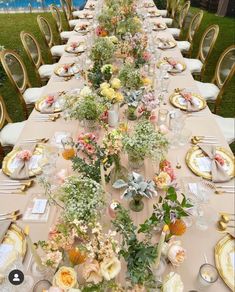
point(159, 26)
point(76, 48)
point(165, 43)
point(83, 28)
point(173, 66)
point(153, 13)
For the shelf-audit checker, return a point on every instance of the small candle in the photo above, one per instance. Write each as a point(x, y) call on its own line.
point(208, 274)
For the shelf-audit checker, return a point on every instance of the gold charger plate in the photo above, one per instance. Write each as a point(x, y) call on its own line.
point(156, 28)
point(79, 49)
point(59, 68)
point(78, 26)
point(174, 99)
point(196, 152)
point(154, 14)
point(9, 159)
point(224, 254)
point(173, 70)
point(39, 106)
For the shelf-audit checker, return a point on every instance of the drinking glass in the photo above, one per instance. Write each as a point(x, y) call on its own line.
point(162, 117)
point(68, 148)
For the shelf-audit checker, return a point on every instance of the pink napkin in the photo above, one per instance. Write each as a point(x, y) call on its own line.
point(191, 106)
point(217, 171)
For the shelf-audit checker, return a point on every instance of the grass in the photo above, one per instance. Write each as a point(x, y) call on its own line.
point(12, 24)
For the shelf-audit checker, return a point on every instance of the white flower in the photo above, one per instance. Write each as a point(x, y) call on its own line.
point(176, 253)
point(65, 278)
point(86, 91)
point(110, 268)
point(172, 283)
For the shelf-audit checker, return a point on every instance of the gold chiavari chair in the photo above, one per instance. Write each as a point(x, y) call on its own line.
point(9, 131)
point(170, 12)
point(65, 4)
point(46, 30)
point(17, 74)
point(224, 71)
point(64, 35)
point(176, 32)
point(187, 45)
point(34, 53)
point(197, 66)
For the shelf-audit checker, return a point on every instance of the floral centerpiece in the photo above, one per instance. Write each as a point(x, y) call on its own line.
point(87, 108)
point(148, 104)
point(169, 210)
point(136, 188)
point(144, 142)
point(113, 146)
point(90, 156)
point(139, 254)
point(103, 50)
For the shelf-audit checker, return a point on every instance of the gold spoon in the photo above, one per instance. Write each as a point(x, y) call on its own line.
point(178, 165)
point(224, 226)
point(226, 219)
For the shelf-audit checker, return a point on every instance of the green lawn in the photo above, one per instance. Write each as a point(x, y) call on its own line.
point(12, 24)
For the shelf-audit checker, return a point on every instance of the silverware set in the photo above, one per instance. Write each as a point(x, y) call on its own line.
point(220, 189)
point(13, 216)
point(15, 186)
point(34, 140)
point(224, 222)
point(204, 140)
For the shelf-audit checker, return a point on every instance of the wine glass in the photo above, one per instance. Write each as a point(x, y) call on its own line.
point(68, 148)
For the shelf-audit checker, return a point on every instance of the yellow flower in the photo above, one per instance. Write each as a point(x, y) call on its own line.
point(115, 83)
point(147, 81)
point(113, 39)
point(110, 268)
point(119, 97)
point(104, 85)
point(123, 127)
point(109, 93)
point(65, 278)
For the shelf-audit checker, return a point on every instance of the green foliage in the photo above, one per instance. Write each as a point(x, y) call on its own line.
point(103, 50)
point(139, 254)
point(130, 77)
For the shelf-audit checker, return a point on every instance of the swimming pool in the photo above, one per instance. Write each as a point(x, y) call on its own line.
point(19, 5)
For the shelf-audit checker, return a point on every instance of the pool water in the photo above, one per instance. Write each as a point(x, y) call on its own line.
point(35, 4)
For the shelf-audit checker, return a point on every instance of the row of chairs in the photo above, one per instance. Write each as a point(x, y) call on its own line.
point(17, 73)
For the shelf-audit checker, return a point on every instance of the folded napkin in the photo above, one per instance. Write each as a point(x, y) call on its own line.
point(175, 65)
point(49, 104)
point(191, 105)
point(23, 157)
point(217, 171)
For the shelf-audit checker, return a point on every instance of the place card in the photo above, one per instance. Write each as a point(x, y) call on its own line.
point(39, 206)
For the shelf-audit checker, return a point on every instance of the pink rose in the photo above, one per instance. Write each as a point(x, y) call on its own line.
point(24, 155)
point(66, 68)
point(220, 159)
point(50, 99)
point(153, 119)
point(146, 56)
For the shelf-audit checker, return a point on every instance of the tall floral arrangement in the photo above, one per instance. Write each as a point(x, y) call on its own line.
point(102, 50)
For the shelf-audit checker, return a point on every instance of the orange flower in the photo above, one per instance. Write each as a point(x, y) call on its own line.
point(178, 227)
point(76, 256)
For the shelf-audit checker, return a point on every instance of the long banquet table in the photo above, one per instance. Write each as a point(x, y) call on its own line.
point(197, 242)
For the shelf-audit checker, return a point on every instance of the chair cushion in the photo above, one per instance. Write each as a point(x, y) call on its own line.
point(10, 133)
point(65, 35)
point(194, 65)
point(184, 46)
point(174, 31)
point(163, 13)
point(77, 13)
point(227, 126)
point(31, 95)
point(208, 90)
point(74, 22)
point(167, 21)
point(45, 71)
point(58, 50)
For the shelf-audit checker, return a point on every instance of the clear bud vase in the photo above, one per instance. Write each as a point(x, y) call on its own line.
point(113, 115)
point(131, 113)
point(118, 171)
point(135, 162)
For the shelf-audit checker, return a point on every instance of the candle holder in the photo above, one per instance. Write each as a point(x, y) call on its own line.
point(208, 274)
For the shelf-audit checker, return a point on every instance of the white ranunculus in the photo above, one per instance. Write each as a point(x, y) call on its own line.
point(110, 268)
point(86, 91)
point(173, 283)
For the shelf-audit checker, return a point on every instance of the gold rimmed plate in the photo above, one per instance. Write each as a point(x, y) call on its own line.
point(86, 16)
point(195, 157)
point(82, 28)
point(41, 105)
point(178, 101)
point(154, 13)
point(180, 67)
point(166, 45)
point(11, 162)
point(224, 260)
point(70, 70)
point(80, 48)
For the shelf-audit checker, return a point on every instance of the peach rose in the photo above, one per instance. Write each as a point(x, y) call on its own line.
point(163, 180)
point(176, 253)
point(110, 268)
point(91, 272)
point(65, 278)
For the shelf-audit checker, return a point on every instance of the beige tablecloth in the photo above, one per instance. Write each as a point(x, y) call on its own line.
point(196, 242)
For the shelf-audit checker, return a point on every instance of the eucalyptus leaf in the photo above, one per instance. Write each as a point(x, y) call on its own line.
point(120, 183)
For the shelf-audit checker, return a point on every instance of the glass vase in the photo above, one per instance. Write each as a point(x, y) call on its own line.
point(89, 125)
point(113, 115)
point(135, 162)
point(119, 171)
point(136, 204)
point(131, 113)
